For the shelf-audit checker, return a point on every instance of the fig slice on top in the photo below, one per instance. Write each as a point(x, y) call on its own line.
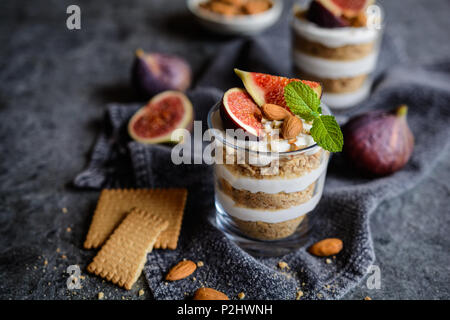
point(239, 111)
point(266, 88)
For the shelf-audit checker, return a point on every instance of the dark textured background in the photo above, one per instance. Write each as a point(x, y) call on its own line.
point(54, 84)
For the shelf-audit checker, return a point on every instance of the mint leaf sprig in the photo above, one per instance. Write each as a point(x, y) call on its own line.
point(304, 102)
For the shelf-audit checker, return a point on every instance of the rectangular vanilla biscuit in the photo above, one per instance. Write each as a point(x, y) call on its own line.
point(172, 212)
point(114, 205)
point(123, 256)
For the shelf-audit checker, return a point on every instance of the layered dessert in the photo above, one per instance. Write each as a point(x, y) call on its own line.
point(268, 181)
point(336, 42)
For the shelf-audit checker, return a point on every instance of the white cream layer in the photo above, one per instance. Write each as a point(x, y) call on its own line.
point(346, 100)
point(270, 216)
point(335, 69)
point(271, 185)
point(265, 144)
point(333, 37)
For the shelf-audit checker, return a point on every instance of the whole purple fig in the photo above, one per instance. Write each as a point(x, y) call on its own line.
point(153, 73)
point(379, 142)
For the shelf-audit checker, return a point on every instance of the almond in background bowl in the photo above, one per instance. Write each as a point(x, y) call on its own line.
point(235, 24)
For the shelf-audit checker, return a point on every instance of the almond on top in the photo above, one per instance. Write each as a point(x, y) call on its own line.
point(326, 247)
point(209, 294)
point(182, 270)
point(291, 127)
point(274, 112)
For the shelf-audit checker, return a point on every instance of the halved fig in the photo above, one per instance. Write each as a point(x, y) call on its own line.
point(164, 113)
point(265, 88)
point(239, 111)
point(324, 17)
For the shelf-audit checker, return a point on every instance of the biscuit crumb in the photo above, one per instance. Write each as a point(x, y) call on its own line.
point(45, 262)
point(367, 298)
point(299, 294)
point(194, 279)
point(200, 264)
point(64, 210)
point(63, 256)
point(82, 277)
point(101, 295)
point(283, 265)
point(69, 229)
point(328, 261)
point(241, 295)
point(141, 292)
point(58, 250)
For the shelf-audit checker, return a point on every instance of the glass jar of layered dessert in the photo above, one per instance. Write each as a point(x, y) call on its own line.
point(337, 43)
point(269, 174)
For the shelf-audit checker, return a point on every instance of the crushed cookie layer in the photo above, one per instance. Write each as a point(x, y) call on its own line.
point(268, 201)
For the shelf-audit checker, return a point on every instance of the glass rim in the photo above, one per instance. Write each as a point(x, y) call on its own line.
point(224, 141)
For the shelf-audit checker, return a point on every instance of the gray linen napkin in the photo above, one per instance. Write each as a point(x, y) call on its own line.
point(343, 212)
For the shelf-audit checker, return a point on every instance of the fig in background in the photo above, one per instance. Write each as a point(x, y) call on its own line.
point(379, 142)
point(336, 13)
point(155, 122)
point(153, 73)
point(324, 17)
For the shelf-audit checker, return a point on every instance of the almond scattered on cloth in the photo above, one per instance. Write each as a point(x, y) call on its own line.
point(182, 270)
point(326, 247)
point(209, 294)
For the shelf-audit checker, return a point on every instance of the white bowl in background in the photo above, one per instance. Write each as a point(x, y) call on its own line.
point(237, 25)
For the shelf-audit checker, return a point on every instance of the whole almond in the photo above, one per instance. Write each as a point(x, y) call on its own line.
point(291, 127)
point(326, 247)
point(209, 294)
point(182, 270)
point(256, 6)
point(274, 112)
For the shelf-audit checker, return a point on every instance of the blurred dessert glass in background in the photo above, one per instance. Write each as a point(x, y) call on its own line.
point(336, 42)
